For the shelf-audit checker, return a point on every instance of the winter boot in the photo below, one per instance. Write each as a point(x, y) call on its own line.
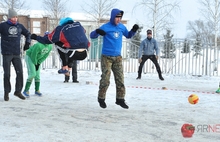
point(160, 77)
point(75, 81)
point(218, 91)
point(138, 77)
point(6, 97)
point(139, 74)
point(102, 103)
point(19, 95)
point(67, 77)
point(121, 102)
point(26, 94)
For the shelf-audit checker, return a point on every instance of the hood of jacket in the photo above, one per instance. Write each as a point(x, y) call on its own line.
point(114, 13)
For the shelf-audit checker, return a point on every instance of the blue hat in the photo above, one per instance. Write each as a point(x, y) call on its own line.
point(65, 20)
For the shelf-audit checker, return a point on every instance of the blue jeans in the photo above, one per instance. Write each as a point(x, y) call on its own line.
point(17, 64)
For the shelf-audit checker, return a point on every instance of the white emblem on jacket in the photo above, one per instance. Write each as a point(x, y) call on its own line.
point(116, 34)
point(13, 30)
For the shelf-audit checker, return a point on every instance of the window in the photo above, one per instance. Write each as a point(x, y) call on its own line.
point(36, 27)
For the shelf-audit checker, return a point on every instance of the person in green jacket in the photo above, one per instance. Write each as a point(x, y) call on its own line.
point(35, 55)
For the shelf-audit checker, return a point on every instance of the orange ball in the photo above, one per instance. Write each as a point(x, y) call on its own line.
point(193, 99)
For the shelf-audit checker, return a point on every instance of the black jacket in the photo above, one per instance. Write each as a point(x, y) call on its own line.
point(11, 37)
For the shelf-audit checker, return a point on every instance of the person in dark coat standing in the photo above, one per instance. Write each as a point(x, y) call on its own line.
point(11, 32)
point(72, 66)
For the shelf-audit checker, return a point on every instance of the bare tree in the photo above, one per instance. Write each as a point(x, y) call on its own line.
point(201, 28)
point(159, 14)
point(211, 12)
point(14, 4)
point(55, 9)
point(203, 33)
point(98, 9)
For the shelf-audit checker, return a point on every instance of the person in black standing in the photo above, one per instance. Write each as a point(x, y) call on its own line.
point(11, 32)
point(73, 66)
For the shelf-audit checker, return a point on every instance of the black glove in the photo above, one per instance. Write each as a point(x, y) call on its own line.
point(60, 44)
point(33, 36)
point(37, 66)
point(135, 28)
point(26, 46)
point(101, 32)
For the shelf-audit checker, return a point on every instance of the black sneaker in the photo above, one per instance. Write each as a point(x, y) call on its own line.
point(102, 103)
point(121, 102)
point(160, 77)
point(19, 95)
point(6, 97)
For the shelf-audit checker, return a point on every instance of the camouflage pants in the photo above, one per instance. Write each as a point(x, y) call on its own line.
point(113, 64)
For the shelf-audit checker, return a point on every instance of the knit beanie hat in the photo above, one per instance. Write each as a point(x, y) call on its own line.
point(12, 13)
point(65, 20)
point(149, 31)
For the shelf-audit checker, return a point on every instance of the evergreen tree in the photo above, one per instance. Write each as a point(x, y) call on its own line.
point(135, 44)
point(186, 47)
point(197, 47)
point(169, 47)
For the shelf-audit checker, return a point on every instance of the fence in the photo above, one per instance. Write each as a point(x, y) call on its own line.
point(195, 61)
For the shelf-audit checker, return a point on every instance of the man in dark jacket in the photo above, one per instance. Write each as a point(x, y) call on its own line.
point(11, 32)
point(71, 40)
point(73, 66)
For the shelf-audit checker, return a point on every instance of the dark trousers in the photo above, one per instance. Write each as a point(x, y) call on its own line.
point(67, 58)
point(16, 62)
point(63, 58)
point(73, 65)
point(153, 59)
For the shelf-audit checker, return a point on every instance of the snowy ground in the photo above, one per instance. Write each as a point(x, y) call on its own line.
point(69, 112)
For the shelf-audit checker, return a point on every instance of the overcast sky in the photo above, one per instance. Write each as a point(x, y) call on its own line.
point(189, 11)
